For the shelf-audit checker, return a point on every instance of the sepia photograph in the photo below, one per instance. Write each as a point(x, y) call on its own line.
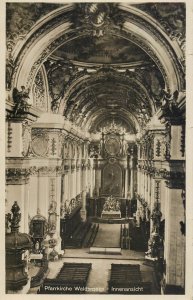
point(95, 135)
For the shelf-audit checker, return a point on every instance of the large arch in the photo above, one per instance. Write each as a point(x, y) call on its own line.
point(55, 29)
point(115, 104)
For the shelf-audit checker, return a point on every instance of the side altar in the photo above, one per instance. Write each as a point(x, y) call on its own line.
point(111, 208)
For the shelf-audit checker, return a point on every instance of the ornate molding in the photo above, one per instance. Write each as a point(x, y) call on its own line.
point(58, 19)
point(84, 94)
point(26, 137)
point(158, 36)
point(16, 176)
point(69, 206)
point(40, 142)
point(45, 171)
point(172, 21)
point(63, 71)
point(40, 92)
point(46, 52)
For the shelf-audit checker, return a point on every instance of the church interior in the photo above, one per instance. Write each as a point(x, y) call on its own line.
point(95, 148)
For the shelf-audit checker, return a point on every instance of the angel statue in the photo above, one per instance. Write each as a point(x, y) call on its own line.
point(20, 99)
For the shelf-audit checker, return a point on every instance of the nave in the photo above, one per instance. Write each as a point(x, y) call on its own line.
point(95, 146)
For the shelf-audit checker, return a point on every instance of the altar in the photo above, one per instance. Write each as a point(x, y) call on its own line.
point(111, 209)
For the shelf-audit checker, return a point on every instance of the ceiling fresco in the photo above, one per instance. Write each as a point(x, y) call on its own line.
point(135, 91)
point(106, 50)
point(171, 17)
point(100, 71)
point(20, 17)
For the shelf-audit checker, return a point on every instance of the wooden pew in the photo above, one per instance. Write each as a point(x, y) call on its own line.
point(70, 277)
point(126, 279)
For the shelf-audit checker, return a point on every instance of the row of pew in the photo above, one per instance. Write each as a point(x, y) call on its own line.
point(71, 279)
point(90, 237)
point(127, 279)
point(75, 240)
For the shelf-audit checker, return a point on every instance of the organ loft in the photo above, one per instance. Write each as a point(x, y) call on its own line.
point(95, 148)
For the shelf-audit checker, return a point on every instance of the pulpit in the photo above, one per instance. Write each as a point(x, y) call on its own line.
point(17, 244)
point(111, 209)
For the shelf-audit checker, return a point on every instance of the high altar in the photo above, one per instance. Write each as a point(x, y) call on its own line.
point(111, 208)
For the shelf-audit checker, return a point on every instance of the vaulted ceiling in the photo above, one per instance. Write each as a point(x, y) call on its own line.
point(102, 68)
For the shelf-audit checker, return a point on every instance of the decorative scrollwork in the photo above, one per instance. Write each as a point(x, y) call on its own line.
point(39, 92)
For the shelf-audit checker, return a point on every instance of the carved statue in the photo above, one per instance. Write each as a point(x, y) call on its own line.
point(169, 102)
point(111, 204)
point(20, 99)
point(15, 219)
point(155, 245)
point(52, 216)
point(156, 218)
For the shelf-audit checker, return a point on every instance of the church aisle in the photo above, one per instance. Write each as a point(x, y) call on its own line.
point(108, 236)
point(95, 147)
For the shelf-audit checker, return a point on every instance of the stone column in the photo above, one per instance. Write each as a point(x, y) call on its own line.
point(149, 193)
point(66, 186)
point(84, 189)
point(26, 208)
point(131, 177)
point(78, 180)
point(57, 198)
point(139, 180)
point(17, 189)
point(70, 182)
point(152, 200)
point(126, 183)
point(98, 180)
point(147, 188)
point(92, 178)
point(75, 183)
point(43, 193)
point(174, 246)
point(142, 182)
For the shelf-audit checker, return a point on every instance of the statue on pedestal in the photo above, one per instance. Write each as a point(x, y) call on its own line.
point(155, 241)
point(20, 99)
point(52, 216)
point(156, 218)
